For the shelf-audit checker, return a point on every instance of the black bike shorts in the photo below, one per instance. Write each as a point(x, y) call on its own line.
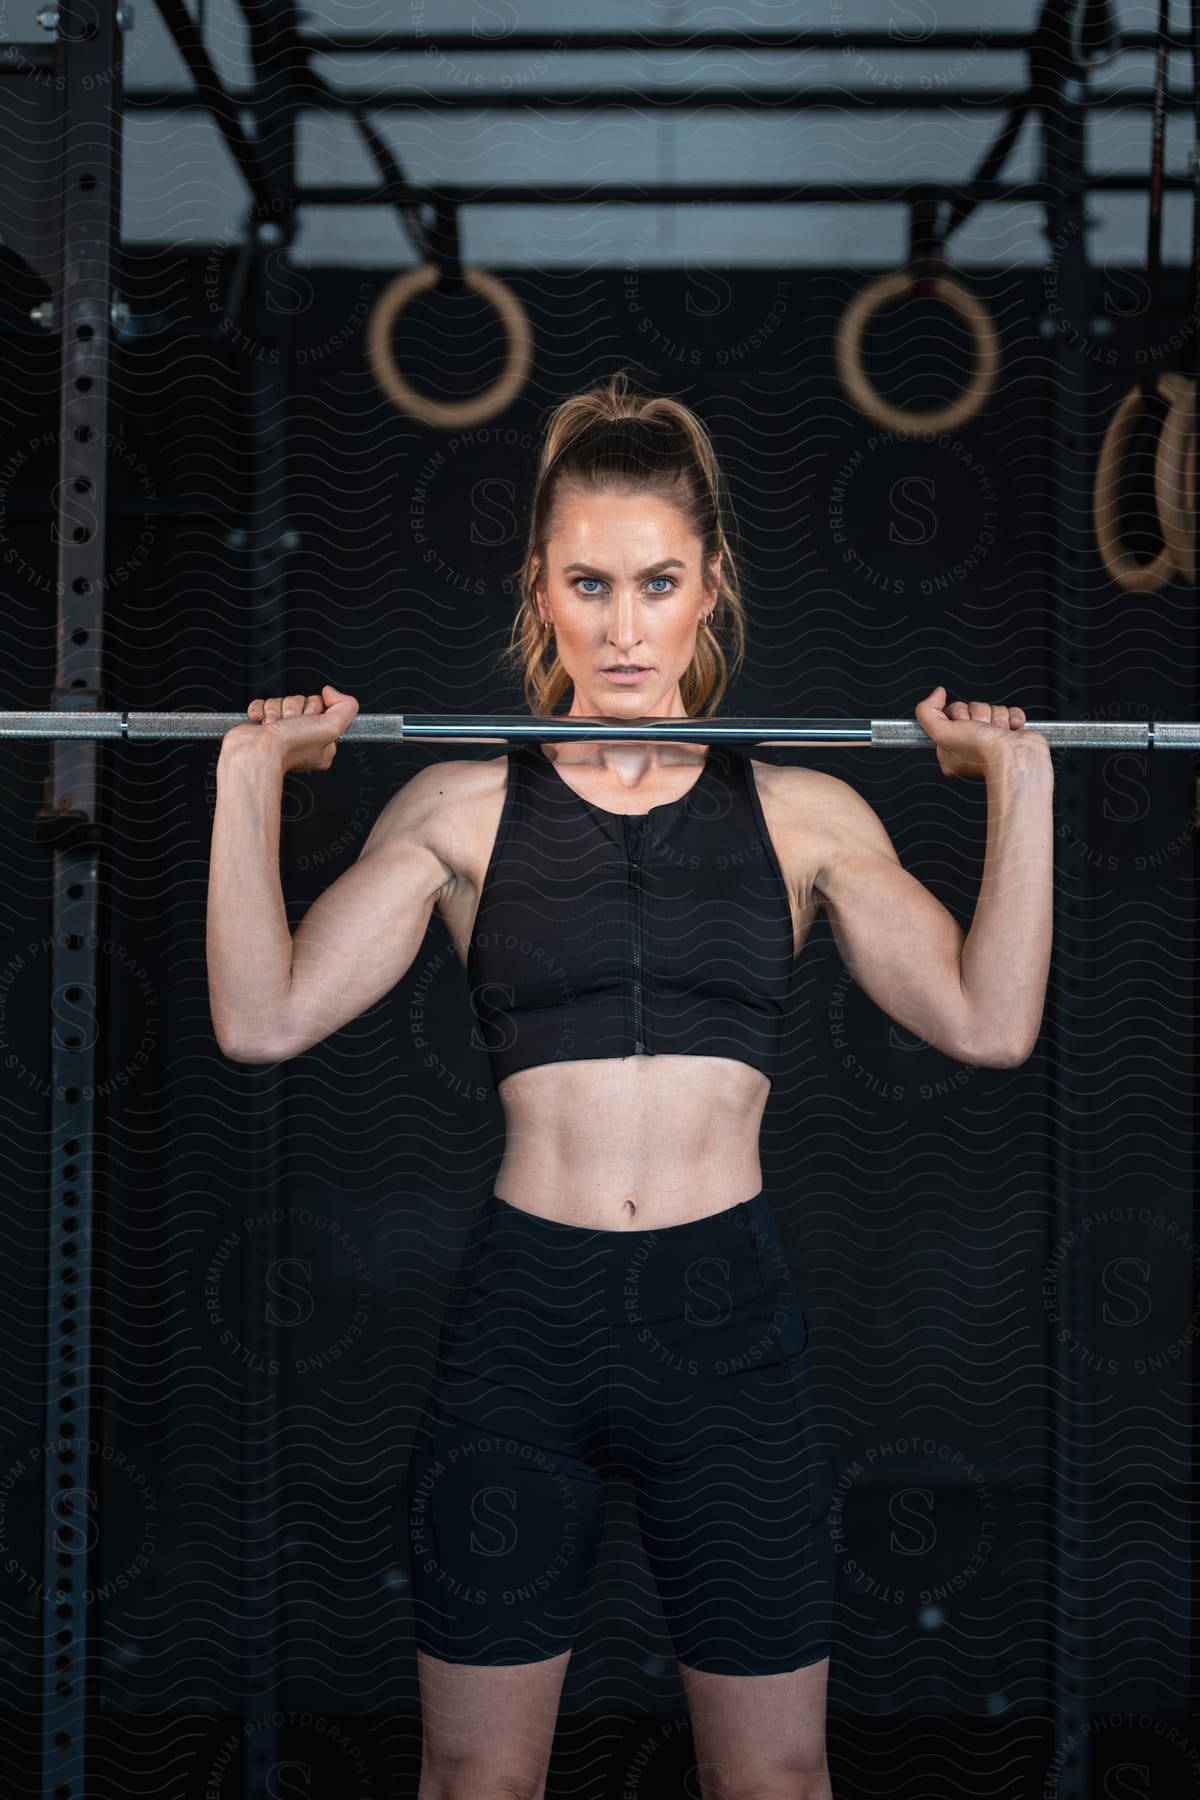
point(677, 1356)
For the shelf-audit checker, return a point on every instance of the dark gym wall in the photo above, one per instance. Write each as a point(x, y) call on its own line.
point(913, 1192)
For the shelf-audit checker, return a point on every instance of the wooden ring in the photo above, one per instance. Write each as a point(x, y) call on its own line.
point(848, 352)
point(1175, 473)
point(1138, 578)
point(449, 413)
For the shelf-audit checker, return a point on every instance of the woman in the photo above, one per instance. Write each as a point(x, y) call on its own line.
point(629, 914)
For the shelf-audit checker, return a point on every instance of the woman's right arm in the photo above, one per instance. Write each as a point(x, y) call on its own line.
point(249, 942)
point(272, 993)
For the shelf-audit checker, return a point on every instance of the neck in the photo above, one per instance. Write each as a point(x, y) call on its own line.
point(632, 758)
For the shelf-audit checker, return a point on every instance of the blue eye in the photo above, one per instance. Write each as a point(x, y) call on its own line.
point(595, 580)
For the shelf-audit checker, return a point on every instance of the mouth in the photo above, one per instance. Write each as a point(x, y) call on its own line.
point(626, 669)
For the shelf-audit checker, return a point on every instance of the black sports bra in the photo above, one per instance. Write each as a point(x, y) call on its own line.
point(605, 934)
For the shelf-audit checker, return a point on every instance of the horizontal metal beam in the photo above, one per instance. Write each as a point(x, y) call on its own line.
point(26, 59)
point(713, 193)
point(786, 97)
point(508, 728)
point(453, 43)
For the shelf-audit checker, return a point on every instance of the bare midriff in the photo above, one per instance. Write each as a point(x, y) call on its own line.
point(634, 1142)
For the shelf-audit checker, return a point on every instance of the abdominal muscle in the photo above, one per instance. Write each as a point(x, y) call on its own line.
point(631, 1143)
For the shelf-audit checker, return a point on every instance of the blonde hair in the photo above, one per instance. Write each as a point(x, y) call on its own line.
point(618, 441)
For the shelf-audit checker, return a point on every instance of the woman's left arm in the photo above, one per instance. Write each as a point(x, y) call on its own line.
point(1005, 956)
point(977, 997)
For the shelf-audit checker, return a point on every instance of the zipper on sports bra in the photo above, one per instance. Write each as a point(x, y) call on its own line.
point(638, 824)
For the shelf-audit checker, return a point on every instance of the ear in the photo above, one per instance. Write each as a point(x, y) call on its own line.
point(714, 578)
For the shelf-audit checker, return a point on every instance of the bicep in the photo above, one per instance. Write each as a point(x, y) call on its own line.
point(900, 944)
point(359, 937)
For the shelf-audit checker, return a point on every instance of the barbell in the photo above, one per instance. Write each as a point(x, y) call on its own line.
point(507, 728)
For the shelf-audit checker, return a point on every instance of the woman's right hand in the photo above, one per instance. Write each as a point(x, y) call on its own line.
point(303, 730)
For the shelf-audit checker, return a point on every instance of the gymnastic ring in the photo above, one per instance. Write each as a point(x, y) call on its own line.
point(449, 413)
point(848, 352)
point(1175, 472)
point(1136, 577)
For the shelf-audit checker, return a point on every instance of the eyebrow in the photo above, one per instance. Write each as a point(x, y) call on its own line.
point(658, 568)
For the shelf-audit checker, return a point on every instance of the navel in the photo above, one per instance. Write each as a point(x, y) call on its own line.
point(630, 1208)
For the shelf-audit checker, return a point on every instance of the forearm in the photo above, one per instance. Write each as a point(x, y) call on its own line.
point(1005, 957)
point(249, 943)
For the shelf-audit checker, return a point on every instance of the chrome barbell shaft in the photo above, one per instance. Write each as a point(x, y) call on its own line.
point(502, 728)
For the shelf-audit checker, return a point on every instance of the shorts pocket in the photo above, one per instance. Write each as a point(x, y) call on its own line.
point(789, 1322)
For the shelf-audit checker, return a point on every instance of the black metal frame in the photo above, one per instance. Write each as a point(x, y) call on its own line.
point(396, 43)
point(1063, 127)
point(1194, 363)
point(75, 255)
point(315, 95)
point(1058, 48)
point(266, 1130)
point(77, 258)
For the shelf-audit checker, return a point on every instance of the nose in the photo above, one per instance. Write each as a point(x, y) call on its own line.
point(624, 625)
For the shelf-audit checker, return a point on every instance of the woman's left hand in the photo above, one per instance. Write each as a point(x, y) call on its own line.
point(970, 734)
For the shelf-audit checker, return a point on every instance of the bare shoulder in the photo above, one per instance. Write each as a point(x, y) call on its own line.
point(793, 789)
point(440, 807)
point(813, 817)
